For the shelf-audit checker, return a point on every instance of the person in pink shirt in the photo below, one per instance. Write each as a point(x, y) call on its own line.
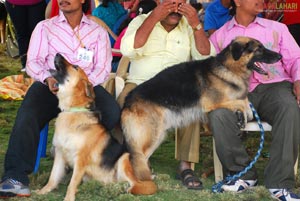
point(275, 96)
point(73, 35)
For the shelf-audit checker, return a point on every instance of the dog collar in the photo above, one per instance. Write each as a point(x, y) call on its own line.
point(78, 109)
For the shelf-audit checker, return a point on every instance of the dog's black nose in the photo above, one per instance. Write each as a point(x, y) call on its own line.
point(58, 56)
point(58, 60)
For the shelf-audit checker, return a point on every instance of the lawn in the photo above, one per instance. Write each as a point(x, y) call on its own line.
point(162, 162)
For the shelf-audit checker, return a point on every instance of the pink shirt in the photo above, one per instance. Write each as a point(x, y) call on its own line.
point(56, 35)
point(22, 2)
point(274, 36)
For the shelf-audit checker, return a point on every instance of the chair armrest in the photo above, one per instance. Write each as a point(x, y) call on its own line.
point(123, 67)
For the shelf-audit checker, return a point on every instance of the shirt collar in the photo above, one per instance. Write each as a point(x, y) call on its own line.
point(233, 23)
point(62, 18)
point(182, 23)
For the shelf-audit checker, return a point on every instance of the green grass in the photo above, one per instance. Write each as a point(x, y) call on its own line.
point(163, 163)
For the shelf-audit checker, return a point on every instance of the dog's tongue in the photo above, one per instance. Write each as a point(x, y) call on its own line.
point(259, 69)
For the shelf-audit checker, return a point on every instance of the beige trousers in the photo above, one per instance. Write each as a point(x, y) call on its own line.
point(188, 143)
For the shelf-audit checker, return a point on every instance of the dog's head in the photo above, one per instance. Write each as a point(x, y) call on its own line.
point(73, 83)
point(250, 52)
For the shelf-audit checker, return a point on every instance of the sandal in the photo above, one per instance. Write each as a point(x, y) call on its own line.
point(189, 179)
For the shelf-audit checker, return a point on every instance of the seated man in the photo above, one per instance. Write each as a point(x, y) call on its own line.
point(275, 96)
point(72, 34)
point(170, 34)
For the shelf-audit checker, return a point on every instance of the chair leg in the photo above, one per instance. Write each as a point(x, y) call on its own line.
point(296, 166)
point(42, 147)
point(217, 165)
point(44, 134)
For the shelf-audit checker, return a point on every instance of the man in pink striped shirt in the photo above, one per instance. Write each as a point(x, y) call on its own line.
point(275, 96)
point(82, 42)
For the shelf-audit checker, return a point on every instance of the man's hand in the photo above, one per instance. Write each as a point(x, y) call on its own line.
point(190, 13)
point(52, 84)
point(296, 91)
point(162, 10)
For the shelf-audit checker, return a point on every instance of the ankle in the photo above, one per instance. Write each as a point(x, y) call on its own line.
point(184, 165)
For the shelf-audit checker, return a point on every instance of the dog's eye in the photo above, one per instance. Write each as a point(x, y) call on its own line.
point(249, 47)
point(259, 49)
point(76, 67)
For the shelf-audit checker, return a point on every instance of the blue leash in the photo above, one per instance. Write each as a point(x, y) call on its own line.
point(217, 187)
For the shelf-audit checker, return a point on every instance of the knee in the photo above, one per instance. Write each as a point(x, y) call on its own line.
point(115, 114)
point(289, 111)
point(220, 115)
point(113, 118)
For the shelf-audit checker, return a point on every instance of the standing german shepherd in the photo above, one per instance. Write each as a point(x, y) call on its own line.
point(186, 92)
point(81, 142)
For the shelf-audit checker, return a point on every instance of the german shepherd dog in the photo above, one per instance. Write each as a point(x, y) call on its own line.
point(81, 142)
point(184, 93)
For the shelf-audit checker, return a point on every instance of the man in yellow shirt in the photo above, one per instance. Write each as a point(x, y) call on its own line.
point(170, 34)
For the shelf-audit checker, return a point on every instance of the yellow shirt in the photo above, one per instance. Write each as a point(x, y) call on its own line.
point(162, 49)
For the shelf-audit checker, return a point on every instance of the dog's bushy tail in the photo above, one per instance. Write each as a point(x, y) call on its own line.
point(143, 188)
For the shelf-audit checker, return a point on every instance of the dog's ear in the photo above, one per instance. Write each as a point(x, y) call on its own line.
point(237, 50)
point(89, 91)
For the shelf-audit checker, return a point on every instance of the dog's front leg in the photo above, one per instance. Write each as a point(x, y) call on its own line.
point(237, 106)
point(240, 119)
point(57, 173)
point(78, 173)
point(247, 115)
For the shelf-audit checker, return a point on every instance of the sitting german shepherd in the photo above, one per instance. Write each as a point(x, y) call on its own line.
point(81, 142)
point(186, 92)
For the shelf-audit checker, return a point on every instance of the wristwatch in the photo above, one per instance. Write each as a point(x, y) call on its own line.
point(198, 27)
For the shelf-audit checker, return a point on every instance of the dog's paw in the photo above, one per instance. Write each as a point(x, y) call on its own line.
point(69, 199)
point(241, 119)
point(129, 190)
point(41, 191)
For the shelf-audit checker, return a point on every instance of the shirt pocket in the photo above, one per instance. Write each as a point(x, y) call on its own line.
point(180, 46)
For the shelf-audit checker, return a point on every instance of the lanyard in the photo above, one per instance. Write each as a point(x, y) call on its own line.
point(79, 39)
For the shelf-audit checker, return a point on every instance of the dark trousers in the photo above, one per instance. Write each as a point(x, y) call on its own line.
point(275, 104)
point(38, 108)
point(24, 19)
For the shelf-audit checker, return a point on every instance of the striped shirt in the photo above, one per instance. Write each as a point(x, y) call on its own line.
point(23, 2)
point(55, 35)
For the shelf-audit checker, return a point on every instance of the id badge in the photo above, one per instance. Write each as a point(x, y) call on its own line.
point(85, 55)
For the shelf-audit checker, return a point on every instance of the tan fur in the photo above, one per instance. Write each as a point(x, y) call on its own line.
point(145, 123)
point(79, 141)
